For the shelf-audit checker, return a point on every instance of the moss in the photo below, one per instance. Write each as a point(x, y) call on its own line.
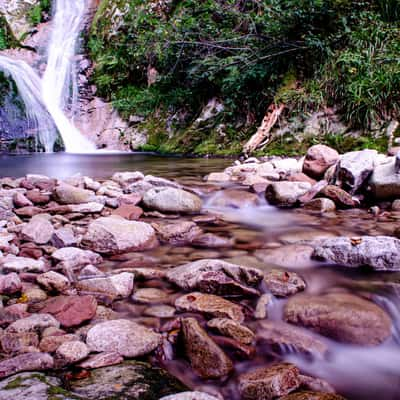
point(14, 384)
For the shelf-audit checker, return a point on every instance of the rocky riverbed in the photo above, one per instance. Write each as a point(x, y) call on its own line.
point(143, 287)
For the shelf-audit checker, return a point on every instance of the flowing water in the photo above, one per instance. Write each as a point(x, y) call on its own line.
point(56, 93)
point(357, 372)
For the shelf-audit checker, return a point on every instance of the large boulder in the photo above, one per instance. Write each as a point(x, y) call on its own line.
point(385, 181)
point(318, 159)
point(173, 200)
point(68, 194)
point(341, 316)
point(113, 235)
point(285, 193)
point(216, 276)
point(354, 169)
point(382, 253)
point(122, 336)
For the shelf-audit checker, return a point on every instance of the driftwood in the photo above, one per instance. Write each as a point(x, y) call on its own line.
point(262, 135)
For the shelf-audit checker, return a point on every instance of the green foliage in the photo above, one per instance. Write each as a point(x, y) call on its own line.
point(7, 39)
point(35, 15)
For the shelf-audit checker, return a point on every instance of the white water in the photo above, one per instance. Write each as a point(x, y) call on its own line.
point(57, 90)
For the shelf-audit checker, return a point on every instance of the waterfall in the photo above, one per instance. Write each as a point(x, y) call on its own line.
point(56, 92)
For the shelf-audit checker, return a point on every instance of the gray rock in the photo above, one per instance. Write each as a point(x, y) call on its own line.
point(74, 257)
point(26, 362)
point(216, 276)
point(10, 284)
point(131, 380)
point(39, 230)
point(285, 193)
point(12, 263)
point(284, 283)
point(206, 357)
point(68, 194)
point(125, 337)
point(385, 182)
point(53, 281)
point(33, 323)
point(382, 253)
point(71, 352)
point(318, 159)
point(341, 316)
point(17, 343)
point(64, 237)
point(179, 233)
point(104, 359)
point(169, 199)
point(354, 168)
point(125, 178)
point(113, 235)
point(267, 383)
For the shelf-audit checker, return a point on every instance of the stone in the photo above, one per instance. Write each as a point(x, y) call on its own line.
point(190, 396)
point(131, 380)
point(129, 212)
point(150, 296)
point(340, 316)
point(86, 208)
point(289, 256)
point(26, 362)
point(321, 205)
point(216, 276)
point(28, 211)
point(172, 200)
point(206, 358)
point(160, 311)
point(33, 386)
point(116, 286)
point(278, 335)
point(261, 310)
point(33, 323)
point(113, 235)
point(233, 329)
point(71, 352)
point(385, 181)
point(218, 177)
point(209, 305)
point(267, 383)
point(50, 344)
point(68, 194)
point(211, 241)
point(10, 284)
point(125, 178)
point(354, 169)
point(11, 263)
point(307, 395)
point(122, 336)
point(234, 198)
point(37, 198)
point(75, 257)
point(319, 385)
point(100, 360)
point(381, 253)
point(15, 343)
point(318, 159)
point(20, 200)
point(301, 177)
point(341, 198)
point(12, 313)
point(284, 283)
point(53, 281)
point(177, 233)
point(64, 237)
point(71, 311)
point(285, 193)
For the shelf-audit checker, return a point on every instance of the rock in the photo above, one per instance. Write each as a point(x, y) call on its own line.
point(206, 357)
point(261, 310)
point(12, 263)
point(284, 283)
point(75, 257)
point(71, 352)
point(354, 168)
point(16, 343)
point(20, 200)
point(285, 193)
point(267, 383)
point(131, 380)
point(301, 177)
point(33, 323)
point(71, 311)
point(234, 198)
point(10, 284)
point(116, 286)
point(319, 385)
point(381, 253)
point(341, 198)
point(233, 329)
point(113, 235)
point(129, 212)
point(125, 178)
point(125, 337)
point(216, 276)
point(210, 305)
point(29, 211)
point(26, 362)
point(306, 395)
point(341, 316)
point(172, 200)
point(68, 194)
point(50, 344)
point(86, 208)
point(385, 182)
point(33, 386)
point(178, 233)
point(102, 360)
point(218, 177)
point(160, 311)
point(318, 159)
point(290, 256)
point(280, 335)
point(64, 237)
point(321, 205)
point(150, 295)
point(211, 241)
point(37, 198)
point(190, 396)
point(53, 281)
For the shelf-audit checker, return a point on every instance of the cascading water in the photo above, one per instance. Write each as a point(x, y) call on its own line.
point(51, 95)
